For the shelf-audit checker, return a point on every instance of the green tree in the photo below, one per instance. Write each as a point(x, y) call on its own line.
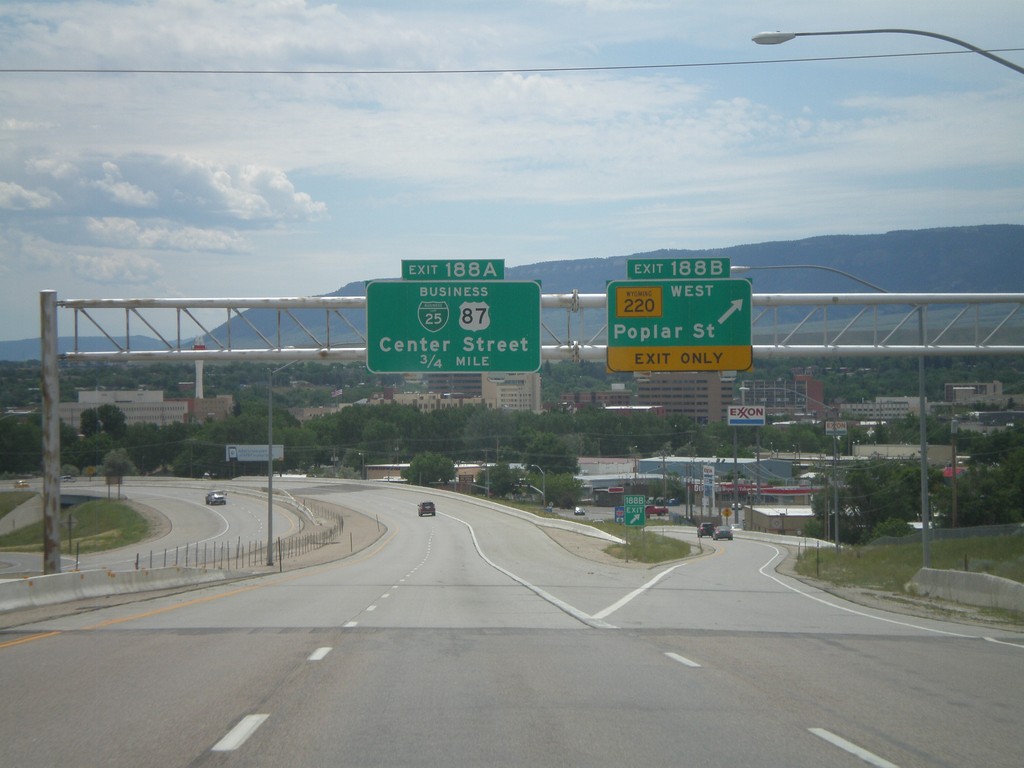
point(502, 480)
point(21, 445)
point(429, 469)
point(550, 452)
point(893, 527)
point(106, 418)
point(117, 464)
point(564, 490)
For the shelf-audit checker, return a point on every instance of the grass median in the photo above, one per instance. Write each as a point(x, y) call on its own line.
point(644, 545)
point(96, 526)
point(891, 566)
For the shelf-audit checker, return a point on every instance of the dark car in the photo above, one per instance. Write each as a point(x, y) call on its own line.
point(426, 508)
point(216, 497)
point(722, 532)
point(705, 529)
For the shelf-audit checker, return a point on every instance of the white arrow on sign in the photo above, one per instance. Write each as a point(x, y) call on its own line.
point(734, 307)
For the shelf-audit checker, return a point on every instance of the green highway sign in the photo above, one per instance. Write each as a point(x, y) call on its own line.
point(674, 269)
point(635, 509)
point(679, 325)
point(452, 327)
point(462, 269)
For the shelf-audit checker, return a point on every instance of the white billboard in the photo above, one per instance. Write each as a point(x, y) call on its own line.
point(746, 415)
point(251, 452)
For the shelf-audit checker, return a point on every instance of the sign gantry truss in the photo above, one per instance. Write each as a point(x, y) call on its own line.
point(333, 329)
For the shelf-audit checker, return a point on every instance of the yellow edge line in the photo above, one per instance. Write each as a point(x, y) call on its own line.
point(29, 639)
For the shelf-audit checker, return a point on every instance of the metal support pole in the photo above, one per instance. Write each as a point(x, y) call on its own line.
point(735, 471)
point(50, 386)
point(953, 428)
point(922, 396)
point(835, 488)
point(270, 468)
point(757, 455)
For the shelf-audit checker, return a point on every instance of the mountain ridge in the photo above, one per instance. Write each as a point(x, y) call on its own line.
point(970, 259)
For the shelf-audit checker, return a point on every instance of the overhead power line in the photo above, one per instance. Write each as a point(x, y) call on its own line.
point(484, 71)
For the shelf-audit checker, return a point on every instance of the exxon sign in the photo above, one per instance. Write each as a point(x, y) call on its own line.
point(746, 415)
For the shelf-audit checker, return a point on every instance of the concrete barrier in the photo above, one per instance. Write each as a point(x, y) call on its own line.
point(35, 591)
point(981, 589)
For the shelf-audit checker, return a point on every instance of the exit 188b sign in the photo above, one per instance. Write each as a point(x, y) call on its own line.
point(679, 325)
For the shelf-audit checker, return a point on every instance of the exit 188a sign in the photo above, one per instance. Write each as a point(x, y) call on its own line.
point(452, 327)
point(457, 269)
point(679, 325)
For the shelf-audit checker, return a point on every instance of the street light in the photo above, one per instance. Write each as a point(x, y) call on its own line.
point(775, 38)
point(543, 485)
point(740, 269)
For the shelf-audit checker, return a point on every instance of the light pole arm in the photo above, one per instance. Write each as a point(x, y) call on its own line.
point(775, 38)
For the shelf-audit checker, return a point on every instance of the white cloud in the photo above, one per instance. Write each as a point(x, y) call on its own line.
point(160, 177)
point(115, 268)
point(127, 233)
point(124, 192)
point(16, 198)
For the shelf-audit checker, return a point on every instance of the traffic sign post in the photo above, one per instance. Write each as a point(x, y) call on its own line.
point(634, 512)
point(679, 325)
point(453, 327)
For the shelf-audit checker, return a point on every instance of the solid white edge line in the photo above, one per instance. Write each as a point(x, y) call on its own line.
point(837, 741)
point(636, 592)
point(682, 659)
point(319, 654)
point(238, 735)
point(1003, 642)
point(576, 613)
point(850, 610)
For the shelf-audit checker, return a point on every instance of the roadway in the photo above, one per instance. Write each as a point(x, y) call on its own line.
point(184, 522)
point(474, 639)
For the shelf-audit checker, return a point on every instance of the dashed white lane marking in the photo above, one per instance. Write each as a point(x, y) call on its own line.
point(238, 735)
point(319, 654)
point(682, 659)
point(350, 624)
point(837, 741)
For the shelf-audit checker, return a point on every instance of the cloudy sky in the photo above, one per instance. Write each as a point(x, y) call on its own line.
point(288, 147)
